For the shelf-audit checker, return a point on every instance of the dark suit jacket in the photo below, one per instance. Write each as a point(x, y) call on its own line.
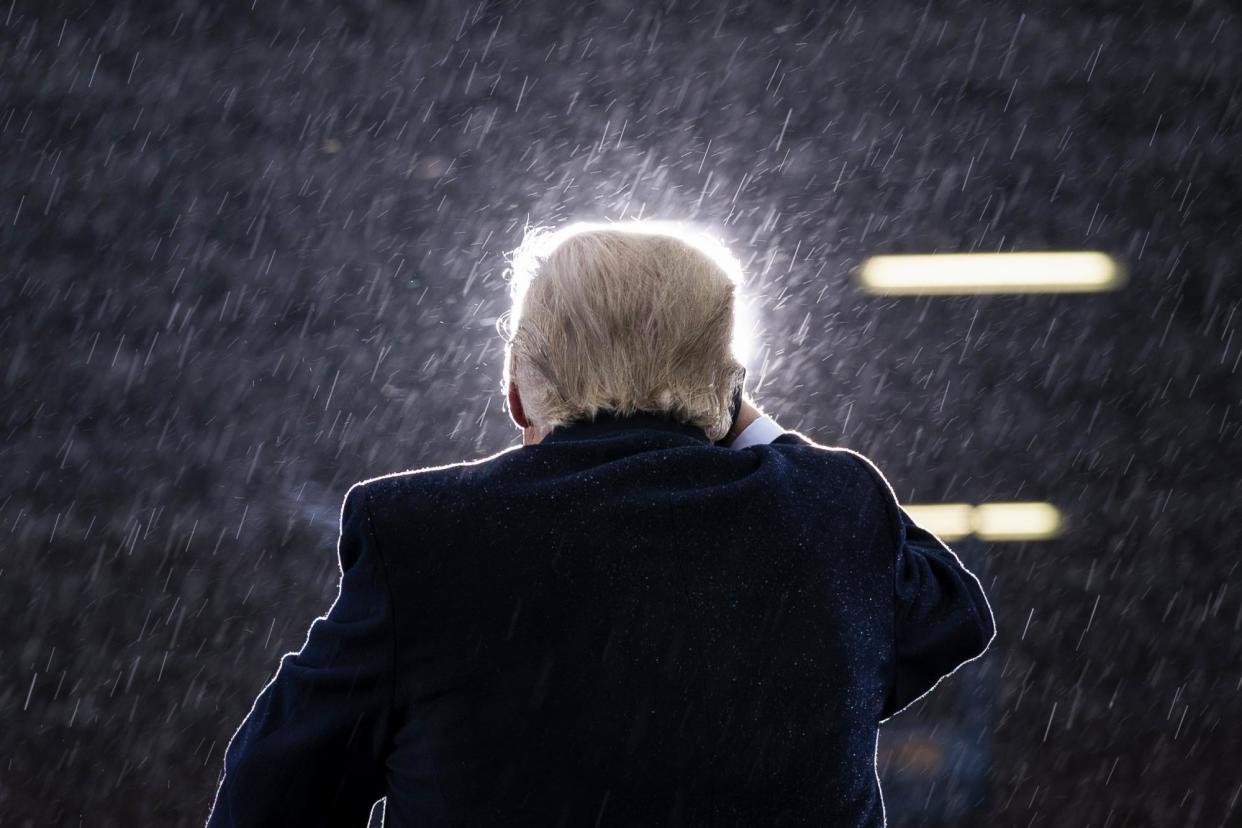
point(622, 625)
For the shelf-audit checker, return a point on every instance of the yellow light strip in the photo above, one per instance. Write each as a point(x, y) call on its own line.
point(1011, 521)
point(946, 273)
point(947, 521)
point(1016, 521)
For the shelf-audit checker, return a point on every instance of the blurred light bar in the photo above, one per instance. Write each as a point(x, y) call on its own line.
point(947, 521)
point(1016, 521)
point(941, 273)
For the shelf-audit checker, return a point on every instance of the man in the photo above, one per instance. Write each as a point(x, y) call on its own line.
point(658, 610)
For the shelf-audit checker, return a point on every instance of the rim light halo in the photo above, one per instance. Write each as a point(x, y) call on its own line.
point(745, 328)
point(542, 240)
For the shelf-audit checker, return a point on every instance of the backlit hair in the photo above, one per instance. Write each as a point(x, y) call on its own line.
point(625, 317)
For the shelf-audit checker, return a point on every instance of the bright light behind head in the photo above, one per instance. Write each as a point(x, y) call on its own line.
point(745, 328)
point(941, 273)
point(540, 242)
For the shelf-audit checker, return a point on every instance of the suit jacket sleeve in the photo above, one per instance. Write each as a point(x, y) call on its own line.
point(311, 750)
point(942, 619)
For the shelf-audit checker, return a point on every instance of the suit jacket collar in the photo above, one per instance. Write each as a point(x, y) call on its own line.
point(608, 423)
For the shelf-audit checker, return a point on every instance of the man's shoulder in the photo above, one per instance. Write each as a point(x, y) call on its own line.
point(383, 488)
point(862, 467)
point(803, 445)
point(847, 462)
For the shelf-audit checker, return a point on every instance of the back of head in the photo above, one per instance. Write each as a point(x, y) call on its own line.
point(626, 317)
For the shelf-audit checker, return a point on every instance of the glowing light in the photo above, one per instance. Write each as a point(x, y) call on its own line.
point(1017, 521)
point(943, 273)
point(745, 330)
point(947, 521)
point(1011, 521)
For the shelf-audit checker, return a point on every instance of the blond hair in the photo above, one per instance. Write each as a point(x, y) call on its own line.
point(624, 317)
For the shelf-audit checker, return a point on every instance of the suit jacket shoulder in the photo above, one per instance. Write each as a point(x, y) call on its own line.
point(385, 489)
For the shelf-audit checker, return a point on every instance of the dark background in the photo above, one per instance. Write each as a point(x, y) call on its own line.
point(249, 256)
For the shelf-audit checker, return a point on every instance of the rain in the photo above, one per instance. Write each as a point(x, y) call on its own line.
point(253, 252)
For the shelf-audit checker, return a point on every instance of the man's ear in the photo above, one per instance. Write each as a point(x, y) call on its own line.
point(516, 412)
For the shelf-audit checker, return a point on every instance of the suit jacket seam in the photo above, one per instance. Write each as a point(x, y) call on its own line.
point(893, 518)
point(392, 623)
point(896, 535)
